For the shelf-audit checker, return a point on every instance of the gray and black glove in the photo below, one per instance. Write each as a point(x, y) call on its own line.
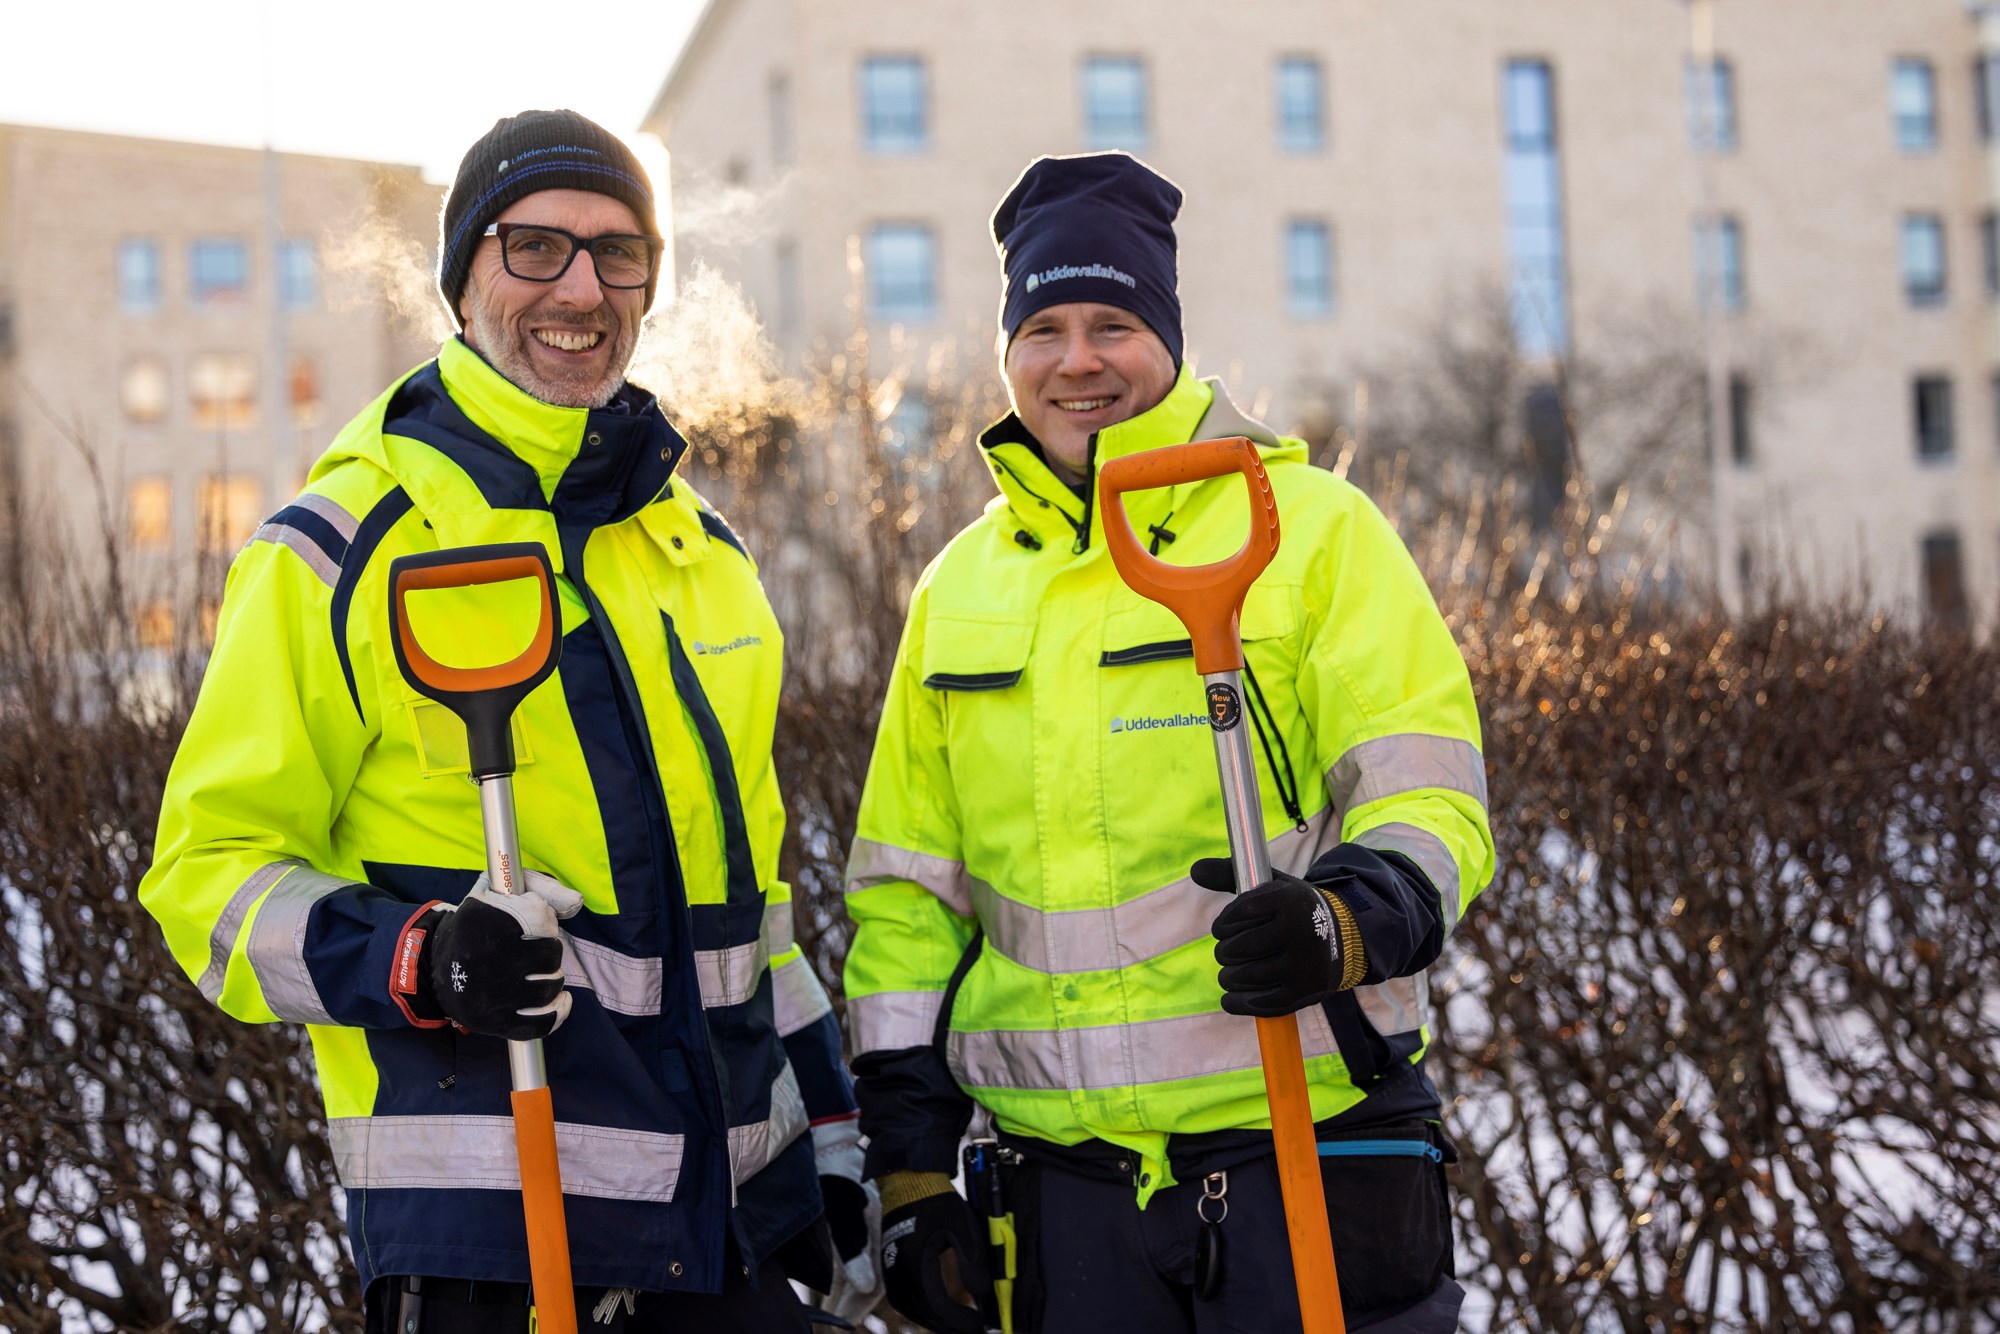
point(1284, 946)
point(492, 965)
point(922, 1219)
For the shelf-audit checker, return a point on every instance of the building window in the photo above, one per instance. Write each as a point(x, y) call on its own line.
point(1931, 407)
point(231, 508)
point(1913, 103)
point(907, 428)
point(142, 390)
point(1719, 263)
point(149, 514)
point(139, 276)
point(156, 625)
point(788, 285)
point(1986, 93)
point(1742, 448)
point(902, 272)
point(1945, 603)
point(219, 272)
point(302, 388)
point(1923, 259)
point(1711, 105)
point(779, 96)
point(1301, 105)
point(298, 273)
point(223, 388)
point(893, 109)
point(1989, 251)
point(1114, 102)
point(1535, 243)
point(1308, 269)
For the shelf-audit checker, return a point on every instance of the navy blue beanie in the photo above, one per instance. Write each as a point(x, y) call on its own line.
point(1096, 227)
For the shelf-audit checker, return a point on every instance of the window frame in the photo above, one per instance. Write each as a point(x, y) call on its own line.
point(1095, 135)
point(1932, 419)
point(1321, 304)
point(292, 294)
point(1915, 131)
point(879, 136)
point(1716, 93)
point(201, 293)
point(878, 234)
point(1934, 295)
point(1300, 134)
point(154, 299)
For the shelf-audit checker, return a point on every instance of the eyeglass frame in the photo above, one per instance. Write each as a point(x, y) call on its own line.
point(578, 244)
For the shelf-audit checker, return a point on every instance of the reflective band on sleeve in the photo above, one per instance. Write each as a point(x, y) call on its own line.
point(1389, 766)
point(729, 977)
point(1119, 1055)
point(277, 945)
point(316, 530)
point(343, 523)
point(477, 1153)
point(624, 984)
point(778, 932)
point(1400, 1005)
point(893, 1020)
point(797, 998)
point(1155, 923)
point(752, 1147)
point(1428, 851)
point(222, 936)
point(872, 863)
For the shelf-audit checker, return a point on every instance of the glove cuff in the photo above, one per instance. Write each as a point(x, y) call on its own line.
point(409, 977)
point(901, 1188)
point(1353, 956)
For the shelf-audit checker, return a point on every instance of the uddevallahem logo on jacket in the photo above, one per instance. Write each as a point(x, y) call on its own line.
point(1062, 271)
point(1148, 724)
point(741, 641)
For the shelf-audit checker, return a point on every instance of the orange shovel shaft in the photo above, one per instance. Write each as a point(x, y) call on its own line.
point(541, 1195)
point(1298, 1175)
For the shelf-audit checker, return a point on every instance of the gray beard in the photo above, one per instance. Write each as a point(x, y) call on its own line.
point(504, 351)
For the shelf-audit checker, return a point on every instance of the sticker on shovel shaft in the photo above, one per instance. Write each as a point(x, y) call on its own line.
point(1225, 707)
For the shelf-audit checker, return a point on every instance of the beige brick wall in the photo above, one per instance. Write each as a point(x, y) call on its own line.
point(1411, 182)
point(67, 202)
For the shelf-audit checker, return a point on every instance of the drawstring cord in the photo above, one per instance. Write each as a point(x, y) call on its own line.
point(1282, 776)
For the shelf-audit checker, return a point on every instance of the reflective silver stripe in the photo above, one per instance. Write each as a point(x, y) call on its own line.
point(797, 998)
point(871, 863)
point(222, 936)
point(343, 523)
point(893, 1020)
point(729, 977)
point(1428, 851)
point(478, 1153)
point(1119, 1055)
point(624, 984)
point(1389, 766)
point(1157, 922)
point(277, 945)
point(304, 546)
point(1400, 1005)
point(752, 1147)
point(778, 926)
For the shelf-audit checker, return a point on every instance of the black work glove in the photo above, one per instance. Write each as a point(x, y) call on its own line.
point(922, 1218)
point(1286, 945)
point(493, 965)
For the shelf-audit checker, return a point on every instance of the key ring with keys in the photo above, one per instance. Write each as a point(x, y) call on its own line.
point(1215, 1187)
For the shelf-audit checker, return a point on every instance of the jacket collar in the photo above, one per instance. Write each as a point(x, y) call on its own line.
point(588, 467)
point(1044, 505)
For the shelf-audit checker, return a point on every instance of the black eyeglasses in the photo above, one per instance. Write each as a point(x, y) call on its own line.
point(543, 254)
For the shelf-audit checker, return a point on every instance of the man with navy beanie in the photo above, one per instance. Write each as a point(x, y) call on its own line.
point(1032, 943)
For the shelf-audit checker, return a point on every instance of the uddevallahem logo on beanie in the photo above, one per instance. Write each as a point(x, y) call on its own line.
point(1063, 271)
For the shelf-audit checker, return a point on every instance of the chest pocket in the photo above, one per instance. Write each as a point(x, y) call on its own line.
point(966, 656)
point(439, 737)
point(1149, 632)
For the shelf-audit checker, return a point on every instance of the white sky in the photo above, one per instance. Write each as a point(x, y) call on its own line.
point(409, 82)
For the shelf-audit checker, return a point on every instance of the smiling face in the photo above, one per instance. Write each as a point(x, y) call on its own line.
point(567, 342)
point(1075, 369)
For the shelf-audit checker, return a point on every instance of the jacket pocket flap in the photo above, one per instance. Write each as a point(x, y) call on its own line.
point(975, 655)
point(1151, 633)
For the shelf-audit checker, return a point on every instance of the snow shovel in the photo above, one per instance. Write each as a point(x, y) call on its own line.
point(1208, 599)
point(484, 698)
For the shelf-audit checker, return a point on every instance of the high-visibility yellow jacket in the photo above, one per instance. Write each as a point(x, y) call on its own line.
point(1045, 774)
point(317, 799)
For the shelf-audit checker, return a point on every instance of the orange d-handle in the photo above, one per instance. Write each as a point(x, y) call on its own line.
point(483, 697)
point(1207, 598)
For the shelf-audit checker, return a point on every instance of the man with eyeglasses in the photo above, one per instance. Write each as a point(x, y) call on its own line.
point(320, 850)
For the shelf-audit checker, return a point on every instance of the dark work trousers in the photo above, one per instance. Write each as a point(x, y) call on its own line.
point(453, 1306)
point(1100, 1263)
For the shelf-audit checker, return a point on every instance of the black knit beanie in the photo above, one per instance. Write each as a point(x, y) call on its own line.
point(1096, 227)
point(536, 150)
